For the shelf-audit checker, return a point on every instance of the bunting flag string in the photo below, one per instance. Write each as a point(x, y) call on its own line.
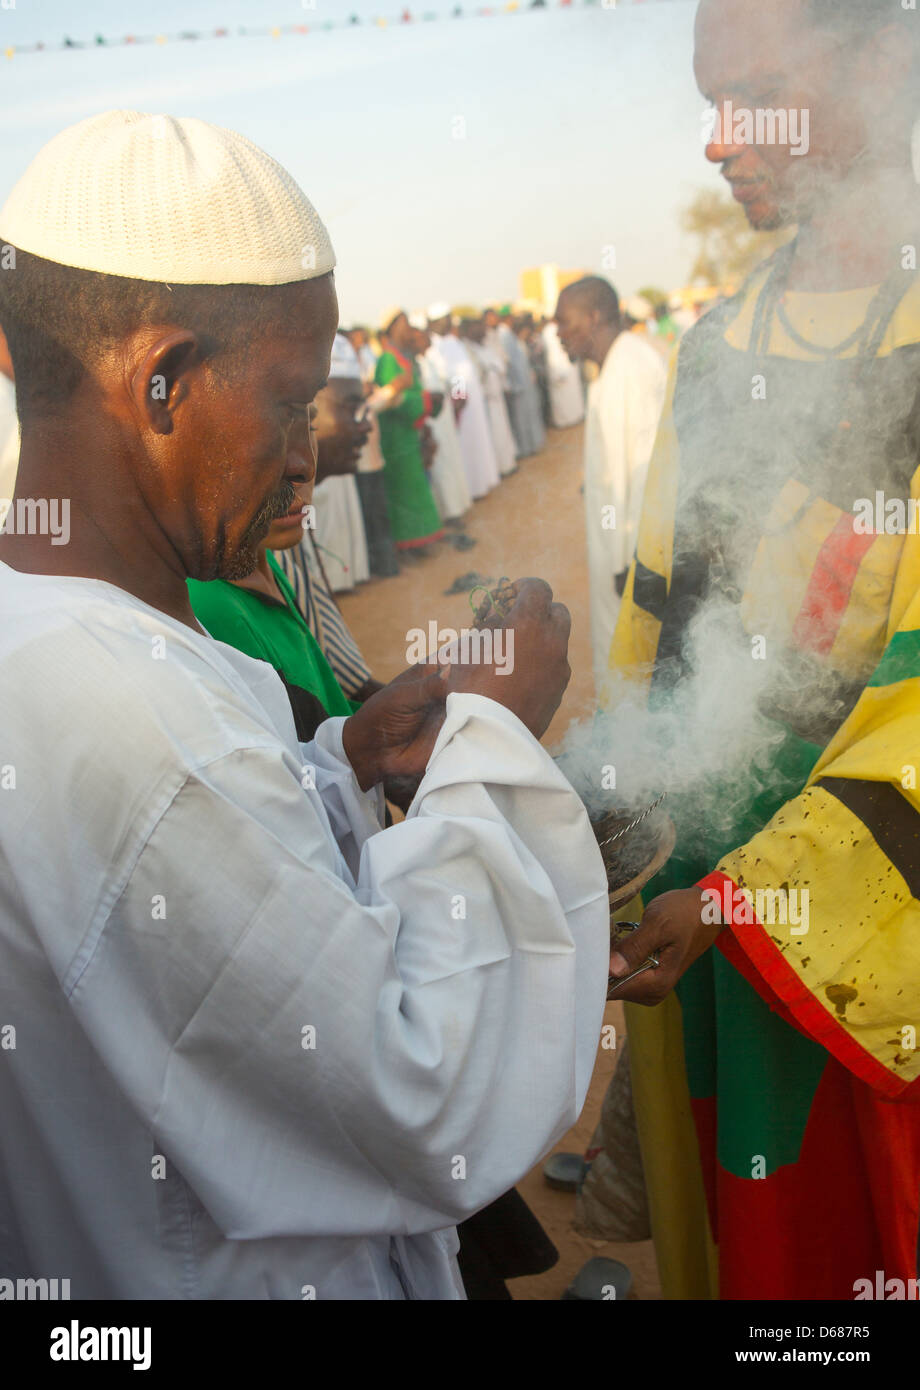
point(279, 31)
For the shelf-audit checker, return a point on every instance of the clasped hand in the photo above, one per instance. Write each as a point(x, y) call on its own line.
point(391, 737)
point(673, 929)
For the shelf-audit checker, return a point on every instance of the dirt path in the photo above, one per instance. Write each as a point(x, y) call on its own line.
point(532, 524)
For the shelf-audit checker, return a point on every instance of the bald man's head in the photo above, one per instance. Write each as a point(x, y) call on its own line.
point(588, 318)
point(593, 293)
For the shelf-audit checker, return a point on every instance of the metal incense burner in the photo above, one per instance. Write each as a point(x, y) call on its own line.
point(633, 847)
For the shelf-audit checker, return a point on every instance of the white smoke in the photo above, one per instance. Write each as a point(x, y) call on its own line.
point(698, 740)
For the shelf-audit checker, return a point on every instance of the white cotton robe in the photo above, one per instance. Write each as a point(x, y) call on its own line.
point(566, 391)
point(494, 380)
point(476, 447)
point(340, 532)
point(523, 396)
point(264, 1048)
point(446, 475)
point(624, 407)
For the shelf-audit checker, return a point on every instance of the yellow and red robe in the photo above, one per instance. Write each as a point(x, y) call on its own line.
point(796, 1055)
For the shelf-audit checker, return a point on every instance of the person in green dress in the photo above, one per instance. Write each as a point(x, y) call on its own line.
point(414, 518)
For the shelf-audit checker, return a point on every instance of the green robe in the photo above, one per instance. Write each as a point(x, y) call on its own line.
point(414, 518)
point(272, 632)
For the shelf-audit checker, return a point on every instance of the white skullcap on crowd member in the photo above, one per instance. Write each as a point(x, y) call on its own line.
point(438, 311)
point(389, 317)
point(165, 198)
point(418, 321)
point(344, 359)
point(638, 308)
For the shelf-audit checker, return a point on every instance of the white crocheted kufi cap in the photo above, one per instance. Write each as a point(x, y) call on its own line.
point(165, 198)
point(344, 359)
point(440, 310)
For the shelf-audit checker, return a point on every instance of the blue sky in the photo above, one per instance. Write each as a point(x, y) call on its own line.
point(582, 128)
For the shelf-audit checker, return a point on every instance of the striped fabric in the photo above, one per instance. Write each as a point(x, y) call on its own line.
point(304, 571)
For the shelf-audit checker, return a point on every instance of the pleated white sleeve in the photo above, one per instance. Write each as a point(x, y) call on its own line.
point(343, 1030)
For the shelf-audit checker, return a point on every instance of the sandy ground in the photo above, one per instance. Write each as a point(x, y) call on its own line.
point(532, 524)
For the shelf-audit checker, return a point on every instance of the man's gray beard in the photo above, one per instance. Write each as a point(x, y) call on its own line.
point(243, 561)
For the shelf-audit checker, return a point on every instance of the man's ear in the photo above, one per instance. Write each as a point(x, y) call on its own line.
point(159, 378)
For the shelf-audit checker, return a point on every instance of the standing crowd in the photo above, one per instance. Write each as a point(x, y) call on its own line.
point(441, 406)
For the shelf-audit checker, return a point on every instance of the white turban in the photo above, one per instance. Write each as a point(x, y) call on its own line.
point(344, 359)
point(165, 198)
point(389, 317)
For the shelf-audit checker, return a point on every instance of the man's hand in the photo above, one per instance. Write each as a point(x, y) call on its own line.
point(673, 927)
point(393, 733)
point(536, 678)
point(391, 736)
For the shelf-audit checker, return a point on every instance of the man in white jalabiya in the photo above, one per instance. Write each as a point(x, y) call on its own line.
point(476, 447)
point(522, 395)
point(446, 475)
point(339, 517)
point(359, 339)
point(257, 1039)
point(492, 375)
point(624, 405)
point(566, 388)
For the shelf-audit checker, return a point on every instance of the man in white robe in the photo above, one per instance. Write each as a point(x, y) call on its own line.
point(522, 396)
point(340, 531)
point(624, 406)
point(476, 447)
point(263, 1048)
point(367, 358)
point(339, 519)
point(492, 375)
point(446, 475)
point(566, 388)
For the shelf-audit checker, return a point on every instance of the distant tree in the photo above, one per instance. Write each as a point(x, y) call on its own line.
point(728, 249)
